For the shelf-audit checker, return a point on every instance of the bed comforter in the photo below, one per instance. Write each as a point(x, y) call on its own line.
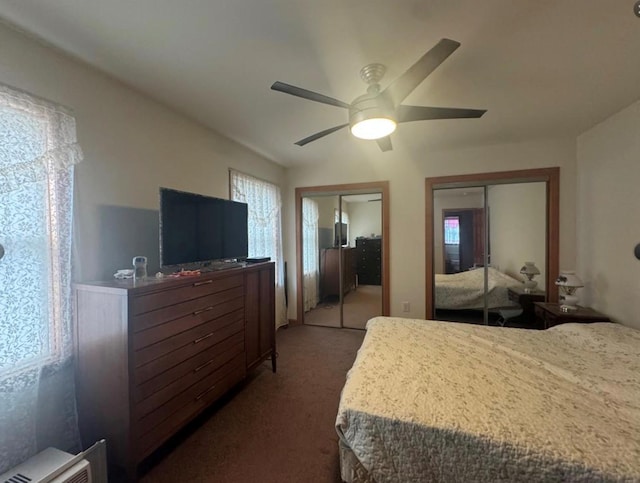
point(442, 401)
point(465, 290)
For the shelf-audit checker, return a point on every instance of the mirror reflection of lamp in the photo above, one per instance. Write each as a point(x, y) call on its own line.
point(568, 282)
point(529, 270)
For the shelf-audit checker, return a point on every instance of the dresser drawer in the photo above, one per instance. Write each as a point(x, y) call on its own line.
point(191, 307)
point(176, 378)
point(209, 356)
point(161, 356)
point(198, 317)
point(193, 290)
point(153, 434)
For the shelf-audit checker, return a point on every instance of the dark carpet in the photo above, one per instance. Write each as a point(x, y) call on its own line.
point(273, 427)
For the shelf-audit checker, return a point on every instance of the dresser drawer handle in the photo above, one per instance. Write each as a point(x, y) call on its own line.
point(203, 338)
point(202, 366)
point(202, 394)
point(206, 282)
point(207, 309)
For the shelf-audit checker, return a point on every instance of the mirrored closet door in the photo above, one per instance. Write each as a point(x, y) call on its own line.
point(341, 248)
point(492, 246)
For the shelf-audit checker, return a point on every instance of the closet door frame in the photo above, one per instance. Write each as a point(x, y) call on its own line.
point(381, 187)
point(550, 176)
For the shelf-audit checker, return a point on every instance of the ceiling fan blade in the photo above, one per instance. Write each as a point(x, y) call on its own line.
point(305, 94)
point(320, 134)
point(423, 113)
point(385, 143)
point(400, 88)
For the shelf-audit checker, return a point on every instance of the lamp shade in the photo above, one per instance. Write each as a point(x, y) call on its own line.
point(529, 268)
point(568, 278)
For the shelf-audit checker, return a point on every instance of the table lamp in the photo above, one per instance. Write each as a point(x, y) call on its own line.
point(568, 282)
point(529, 270)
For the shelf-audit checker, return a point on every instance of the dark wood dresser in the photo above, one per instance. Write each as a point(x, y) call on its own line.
point(330, 271)
point(152, 355)
point(369, 261)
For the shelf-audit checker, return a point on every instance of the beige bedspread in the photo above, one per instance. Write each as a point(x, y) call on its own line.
point(442, 401)
point(465, 290)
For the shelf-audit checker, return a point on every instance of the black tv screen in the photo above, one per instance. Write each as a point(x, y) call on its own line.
point(196, 228)
point(340, 233)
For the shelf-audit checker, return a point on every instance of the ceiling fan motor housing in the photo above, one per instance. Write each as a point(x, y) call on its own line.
point(370, 106)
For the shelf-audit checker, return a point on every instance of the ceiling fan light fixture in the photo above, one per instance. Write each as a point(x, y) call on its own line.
point(371, 116)
point(373, 128)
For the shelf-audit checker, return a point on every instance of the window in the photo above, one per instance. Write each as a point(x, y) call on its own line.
point(310, 253)
point(37, 153)
point(265, 226)
point(452, 230)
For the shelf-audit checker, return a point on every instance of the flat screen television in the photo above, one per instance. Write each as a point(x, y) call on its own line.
point(340, 237)
point(197, 229)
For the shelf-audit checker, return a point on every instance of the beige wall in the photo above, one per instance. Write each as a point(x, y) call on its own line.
point(132, 146)
point(517, 226)
point(406, 180)
point(365, 219)
point(326, 211)
point(608, 216)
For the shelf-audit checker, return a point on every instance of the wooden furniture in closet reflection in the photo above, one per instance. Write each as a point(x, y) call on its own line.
point(330, 271)
point(369, 261)
point(153, 354)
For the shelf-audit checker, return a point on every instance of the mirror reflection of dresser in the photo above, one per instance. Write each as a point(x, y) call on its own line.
point(330, 272)
point(368, 253)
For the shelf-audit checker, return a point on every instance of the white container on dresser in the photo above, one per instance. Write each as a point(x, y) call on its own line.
point(152, 355)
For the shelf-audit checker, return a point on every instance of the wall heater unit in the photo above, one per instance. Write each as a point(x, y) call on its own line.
point(55, 466)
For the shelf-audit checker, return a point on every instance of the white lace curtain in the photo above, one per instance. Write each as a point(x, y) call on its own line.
point(265, 227)
point(38, 150)
point(310, 253)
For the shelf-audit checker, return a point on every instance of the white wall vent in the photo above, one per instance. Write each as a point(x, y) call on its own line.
point(55, 466)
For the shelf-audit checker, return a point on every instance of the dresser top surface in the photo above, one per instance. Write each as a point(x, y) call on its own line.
point(580, 313)
point(152, 283)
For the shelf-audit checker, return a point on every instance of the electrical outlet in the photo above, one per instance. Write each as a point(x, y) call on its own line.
point(406, 307)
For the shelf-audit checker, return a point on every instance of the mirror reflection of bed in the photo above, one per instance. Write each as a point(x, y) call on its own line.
point(482, 236)
point(342, 247)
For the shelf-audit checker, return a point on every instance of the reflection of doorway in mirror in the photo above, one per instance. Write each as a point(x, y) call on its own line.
point(451, 244)
point(462, 239)
point(365, 236)
point(349, 234)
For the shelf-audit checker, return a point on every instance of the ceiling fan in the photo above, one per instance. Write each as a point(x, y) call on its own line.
point(375, 114)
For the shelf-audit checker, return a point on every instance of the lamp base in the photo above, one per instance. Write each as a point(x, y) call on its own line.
point(529, 286)
point(569, 303)
point(568, 308)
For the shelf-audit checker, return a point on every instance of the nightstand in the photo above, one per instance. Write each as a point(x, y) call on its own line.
point(549, 314)
point(526, 300)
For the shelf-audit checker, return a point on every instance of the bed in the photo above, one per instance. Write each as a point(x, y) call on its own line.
point(443, 401)
point(465, 290)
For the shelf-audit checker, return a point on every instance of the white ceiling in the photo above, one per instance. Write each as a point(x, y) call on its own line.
point(542, 68)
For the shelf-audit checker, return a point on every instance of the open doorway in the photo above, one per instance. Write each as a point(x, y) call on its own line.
point(343, 254)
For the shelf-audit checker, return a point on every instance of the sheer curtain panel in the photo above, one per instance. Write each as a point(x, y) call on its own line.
point(265, 226)
point(310, 253)
point(38, 150)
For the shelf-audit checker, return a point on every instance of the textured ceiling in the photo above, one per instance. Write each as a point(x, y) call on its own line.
point(542, 68)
